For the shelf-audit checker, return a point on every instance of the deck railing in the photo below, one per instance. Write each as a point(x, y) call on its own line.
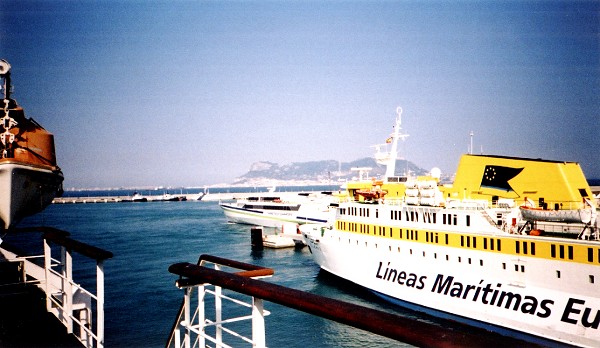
point(194, 325)
point(78, 309)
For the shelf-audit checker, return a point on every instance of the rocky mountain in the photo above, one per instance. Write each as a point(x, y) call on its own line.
point(317, 172)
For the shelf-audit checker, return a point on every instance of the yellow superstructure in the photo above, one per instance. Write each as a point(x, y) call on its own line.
point(550, 184)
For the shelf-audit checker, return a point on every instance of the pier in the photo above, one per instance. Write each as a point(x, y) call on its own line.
point(210, 197)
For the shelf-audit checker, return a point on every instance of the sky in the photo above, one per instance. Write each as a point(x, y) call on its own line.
point(191, 93)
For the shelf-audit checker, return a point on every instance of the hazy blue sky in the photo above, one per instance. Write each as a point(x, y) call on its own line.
point(193, 92)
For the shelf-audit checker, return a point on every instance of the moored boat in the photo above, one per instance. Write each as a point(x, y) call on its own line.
point(274, 211)
point(468, 252)
point(29, 175)
point(560, 215)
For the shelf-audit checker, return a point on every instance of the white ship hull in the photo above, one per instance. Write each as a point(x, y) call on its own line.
point(26, 190)
point(546, 296)
point(276, 219)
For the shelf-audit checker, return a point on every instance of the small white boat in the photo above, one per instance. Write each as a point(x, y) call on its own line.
point(167, 197)
point(540, 214)
point(138, 198)
point(29, 176)
point(277, 241)
point(273, 211)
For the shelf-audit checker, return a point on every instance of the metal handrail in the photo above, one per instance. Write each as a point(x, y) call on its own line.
point(63, 308)
point(382, 323)
point(247, 270)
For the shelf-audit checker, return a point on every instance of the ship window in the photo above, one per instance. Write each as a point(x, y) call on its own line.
point(517, 247)
point(583, 192)
point(494, 200)
point(398, 249)
point(570, 252)
point(447, 257)
point(411, 251)
point(480, 262)
point(591, 279)
point(459, 259)
point(444, 219)
point(435, 255)
point(469, 260)
point(455, 219)
point(376, 213)
point(390, 248)
point(516, 268)
point(503, 265)
point(590, 255)
point(532, 248)
point(468, 220)
point(423, 254)
point(522, 268)
point(557, 274)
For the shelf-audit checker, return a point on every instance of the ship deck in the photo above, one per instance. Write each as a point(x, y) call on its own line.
point(24, 321)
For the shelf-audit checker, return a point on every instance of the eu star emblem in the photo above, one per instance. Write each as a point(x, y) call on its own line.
point(497, 177)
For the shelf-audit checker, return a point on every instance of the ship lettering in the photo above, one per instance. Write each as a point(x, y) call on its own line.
point(574, 309)
point(489, 294)
point(401, 277)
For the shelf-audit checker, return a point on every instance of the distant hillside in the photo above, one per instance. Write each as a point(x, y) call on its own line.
point(330, 171)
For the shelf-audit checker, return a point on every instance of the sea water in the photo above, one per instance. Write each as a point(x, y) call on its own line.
point(146, 238)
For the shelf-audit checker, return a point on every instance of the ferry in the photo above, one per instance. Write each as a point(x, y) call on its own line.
point(512, 245)
point(277, 210)
point(29, 176)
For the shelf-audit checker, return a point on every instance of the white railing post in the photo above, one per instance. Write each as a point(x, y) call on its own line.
point(186, 317)
point(100, 303)
point(258, 323)
point(47, 266)
point(177, 337)
point(218, 312)
point(201, 316)
point(67, 288)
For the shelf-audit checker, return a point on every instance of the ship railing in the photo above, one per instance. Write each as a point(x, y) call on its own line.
point(78, 309)
point(192, 326)
point(189, 329)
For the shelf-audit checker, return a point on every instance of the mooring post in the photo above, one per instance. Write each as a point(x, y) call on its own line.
point(256, 238)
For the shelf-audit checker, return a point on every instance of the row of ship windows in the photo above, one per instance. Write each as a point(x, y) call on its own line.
point(517, 267)
point(557, 251)
point(427, 217)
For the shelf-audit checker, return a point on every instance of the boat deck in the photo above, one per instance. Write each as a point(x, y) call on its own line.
point(24, 321)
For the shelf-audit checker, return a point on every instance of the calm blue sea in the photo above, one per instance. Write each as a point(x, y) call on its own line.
point(141, 298)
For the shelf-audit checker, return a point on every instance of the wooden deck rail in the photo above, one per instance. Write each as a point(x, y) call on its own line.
point(410, 331)
point(62, 238)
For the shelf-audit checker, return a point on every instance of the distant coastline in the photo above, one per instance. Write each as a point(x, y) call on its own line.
point(265, 183)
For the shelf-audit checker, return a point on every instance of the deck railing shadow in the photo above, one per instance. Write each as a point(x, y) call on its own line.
point(80, 310)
